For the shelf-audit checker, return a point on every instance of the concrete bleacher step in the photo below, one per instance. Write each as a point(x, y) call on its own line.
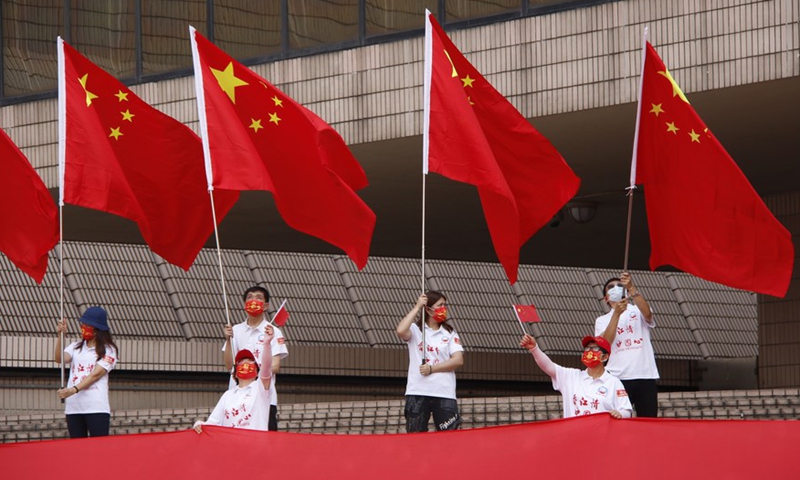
point(381, 417)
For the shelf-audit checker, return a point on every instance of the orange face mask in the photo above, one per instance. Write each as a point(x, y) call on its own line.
point(246, 371)
point(87, 332)
point(440, 314)
point(254, 307)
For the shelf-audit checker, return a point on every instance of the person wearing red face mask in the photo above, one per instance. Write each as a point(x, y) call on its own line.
point(91, 358)
point(431, 387)
point(247, 404)
point(585, 392)
point(249, 335)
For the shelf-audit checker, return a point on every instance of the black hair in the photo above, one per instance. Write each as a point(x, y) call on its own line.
point(433, 297)
point(609, 282)
point(102, 339)
point(256, 288)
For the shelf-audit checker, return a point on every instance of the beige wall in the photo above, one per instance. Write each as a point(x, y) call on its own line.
point(563, 62)
point(779, 318)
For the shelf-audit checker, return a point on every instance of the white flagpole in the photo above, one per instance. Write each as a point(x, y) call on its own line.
point(521, 325)
point(201, 115)
point(426, 124)
point(62, 158)
point(632, 185)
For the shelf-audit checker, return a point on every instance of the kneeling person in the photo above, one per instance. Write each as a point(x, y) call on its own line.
point(247, 405)
point(585, 392)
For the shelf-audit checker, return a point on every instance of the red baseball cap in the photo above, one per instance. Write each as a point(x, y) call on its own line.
point(243, 354)
point(600, 341)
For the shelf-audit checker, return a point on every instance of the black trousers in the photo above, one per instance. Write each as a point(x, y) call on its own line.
point(273, 418)
point(82, 425)
point(644, 396)
point(420, 407)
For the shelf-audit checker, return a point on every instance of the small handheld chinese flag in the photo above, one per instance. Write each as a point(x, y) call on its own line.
point(527, 313)
point(281, 316)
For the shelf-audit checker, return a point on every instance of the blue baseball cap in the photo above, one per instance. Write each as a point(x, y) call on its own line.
point(96, 317)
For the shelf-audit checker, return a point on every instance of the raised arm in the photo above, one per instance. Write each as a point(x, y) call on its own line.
point(227, 354)
point(404, 327)
point(544, 362)
point(265, 373)
point(61, 328)
point(610, 333)
point(636, 297)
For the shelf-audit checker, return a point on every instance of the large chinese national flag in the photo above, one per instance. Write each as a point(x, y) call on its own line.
point(122, 156)
point(704, 216)
point(28, 216)
point(260, 139)
point(472, 134)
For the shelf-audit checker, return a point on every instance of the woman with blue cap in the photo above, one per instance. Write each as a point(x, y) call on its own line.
point(90, 358)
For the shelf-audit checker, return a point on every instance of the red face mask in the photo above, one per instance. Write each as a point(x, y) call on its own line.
point(591, 358)
point(246, 371)
point(440, 314)
point(254, 307)
point(87, 332)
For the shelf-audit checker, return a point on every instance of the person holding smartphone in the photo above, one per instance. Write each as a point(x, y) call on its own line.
point(627, 329)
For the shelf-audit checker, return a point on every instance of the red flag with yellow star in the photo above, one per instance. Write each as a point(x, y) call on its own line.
point(704, 216)
point(472, 134)
point(260, 139)
point(122, 156)
point(28, 216)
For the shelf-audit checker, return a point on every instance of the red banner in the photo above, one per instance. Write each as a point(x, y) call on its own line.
point(595, 446)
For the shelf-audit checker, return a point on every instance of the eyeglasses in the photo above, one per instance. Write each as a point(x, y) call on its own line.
point(610, 286)
point(593, 349)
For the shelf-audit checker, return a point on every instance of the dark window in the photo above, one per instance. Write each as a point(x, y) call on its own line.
point(165, 33)
point(317, 22)
point(456, 10)
point(390, 16)
point(29, 45)
point(247, 29)
point(105, 32)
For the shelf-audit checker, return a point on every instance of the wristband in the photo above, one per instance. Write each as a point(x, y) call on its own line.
point(76, 388)
point(635, 294)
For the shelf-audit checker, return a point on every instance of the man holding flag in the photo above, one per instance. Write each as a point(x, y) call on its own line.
point(250, 335)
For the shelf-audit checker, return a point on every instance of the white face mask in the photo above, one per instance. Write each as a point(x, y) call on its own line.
point(615, 293)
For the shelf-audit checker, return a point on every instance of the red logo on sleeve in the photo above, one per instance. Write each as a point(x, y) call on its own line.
point(281, 341)
point(622, 393)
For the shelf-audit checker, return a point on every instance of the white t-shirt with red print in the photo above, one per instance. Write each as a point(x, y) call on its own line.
point(632, 356)
point(246, 407)
point(246, 337)
point(440, 345)
point(93, 399)
point(584, 395)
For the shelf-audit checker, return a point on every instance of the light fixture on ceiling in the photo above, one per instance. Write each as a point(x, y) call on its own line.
point(582, 212)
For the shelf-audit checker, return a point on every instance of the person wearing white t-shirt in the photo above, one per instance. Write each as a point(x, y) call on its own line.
point(249, 335)
point(91, 359)
point(627, 328)
point(584, 392)
point(247, 404)
point(431, 387)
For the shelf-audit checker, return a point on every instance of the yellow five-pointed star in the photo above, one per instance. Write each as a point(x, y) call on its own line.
point(122, 96)
point(278, 101)
point(255, 124)
point(676, 90)
point(127, 115)
point(656, 109)
point(273, 118)
point(115, 133)
point(467, 81)
point(672, 128)
point(695, 136)
point(228, 81)
point(89, 95)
